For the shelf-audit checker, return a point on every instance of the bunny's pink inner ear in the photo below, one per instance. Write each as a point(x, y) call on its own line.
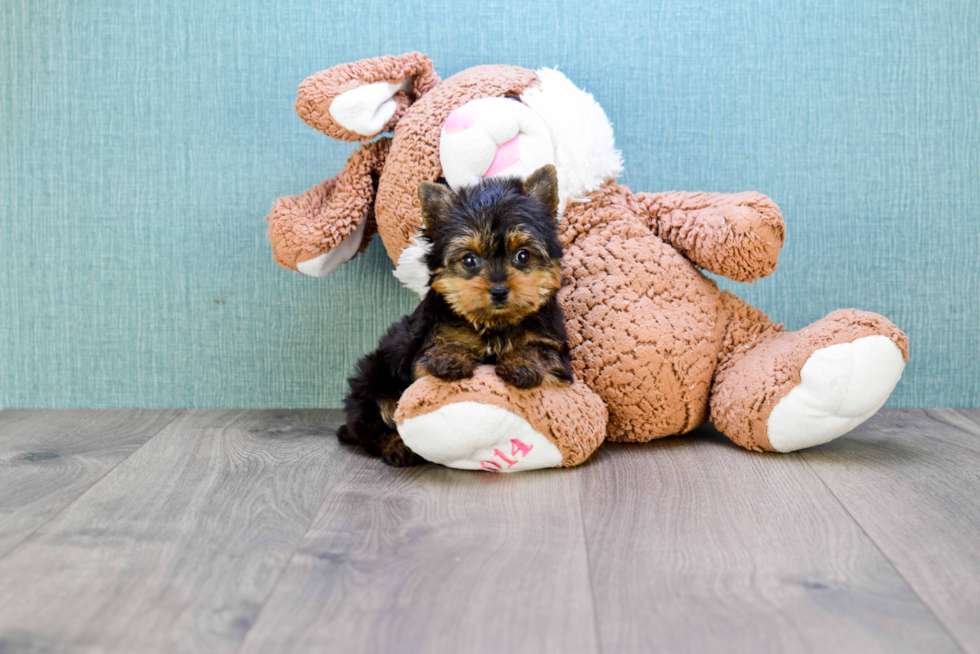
point(358, 101)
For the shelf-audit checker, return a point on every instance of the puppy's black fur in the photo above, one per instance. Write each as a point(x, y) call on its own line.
point(495, 266)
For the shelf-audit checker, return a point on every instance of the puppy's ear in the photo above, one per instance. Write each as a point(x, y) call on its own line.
point(543, 185)
point(358, 101)
point(434, 199)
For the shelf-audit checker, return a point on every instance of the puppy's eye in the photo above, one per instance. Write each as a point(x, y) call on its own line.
point(522, 257)
point(470, 261)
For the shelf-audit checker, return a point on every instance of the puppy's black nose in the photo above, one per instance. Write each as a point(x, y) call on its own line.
point(499, 292)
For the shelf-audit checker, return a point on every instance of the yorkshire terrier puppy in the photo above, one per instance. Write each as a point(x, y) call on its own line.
point(495, 266)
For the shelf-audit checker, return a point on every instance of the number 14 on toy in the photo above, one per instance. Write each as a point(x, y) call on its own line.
point(517, 449)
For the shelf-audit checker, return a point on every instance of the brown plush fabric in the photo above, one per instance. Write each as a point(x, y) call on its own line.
point(302, 227)
point(571, 417)
point(737, 235)
point(645, 326)
point(318, 91)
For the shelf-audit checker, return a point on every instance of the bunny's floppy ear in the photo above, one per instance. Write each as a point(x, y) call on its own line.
point(320, 230)
point(358, 101)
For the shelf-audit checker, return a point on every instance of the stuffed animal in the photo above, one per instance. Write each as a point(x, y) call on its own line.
point(658, 349)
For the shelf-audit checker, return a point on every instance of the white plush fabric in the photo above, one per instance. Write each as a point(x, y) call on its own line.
point(477, 436)
point(411, 270)
point(328, 262)
point(467, 153)
point(366, 109)
point(585, 147)
point(841, 386)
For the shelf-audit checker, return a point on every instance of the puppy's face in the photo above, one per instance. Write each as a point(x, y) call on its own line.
point(497, 276)
point(495, 255)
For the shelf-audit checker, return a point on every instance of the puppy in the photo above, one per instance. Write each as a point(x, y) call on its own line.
point(495, 266)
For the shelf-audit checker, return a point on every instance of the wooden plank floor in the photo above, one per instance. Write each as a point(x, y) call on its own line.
point(255, 531)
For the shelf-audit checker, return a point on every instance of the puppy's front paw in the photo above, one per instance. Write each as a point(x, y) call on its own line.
point(449, 367)
point(520, 375)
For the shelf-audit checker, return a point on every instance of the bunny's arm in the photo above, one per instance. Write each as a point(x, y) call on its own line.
point(736, 235)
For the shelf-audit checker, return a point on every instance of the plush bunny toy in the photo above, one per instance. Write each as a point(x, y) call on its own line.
point(657, 348)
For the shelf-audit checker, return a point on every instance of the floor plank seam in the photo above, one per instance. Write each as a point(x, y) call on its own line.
point(588, 567)
point(935, 616)
point(95, 483)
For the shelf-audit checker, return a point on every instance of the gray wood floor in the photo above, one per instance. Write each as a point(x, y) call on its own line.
point(255, 531)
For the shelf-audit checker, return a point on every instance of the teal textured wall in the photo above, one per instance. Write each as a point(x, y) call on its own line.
point(142, 143)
